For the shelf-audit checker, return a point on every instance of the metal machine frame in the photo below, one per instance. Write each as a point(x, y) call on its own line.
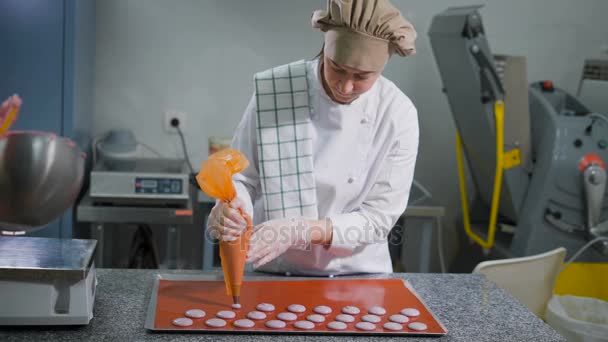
point(540, 169)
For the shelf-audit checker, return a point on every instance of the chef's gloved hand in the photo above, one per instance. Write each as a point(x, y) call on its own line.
point(225, 220)
point(273, 238)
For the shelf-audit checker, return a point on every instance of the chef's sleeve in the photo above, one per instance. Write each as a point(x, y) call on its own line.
point(372, 221)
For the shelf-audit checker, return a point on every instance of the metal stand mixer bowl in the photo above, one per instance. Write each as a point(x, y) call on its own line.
point(40, 177)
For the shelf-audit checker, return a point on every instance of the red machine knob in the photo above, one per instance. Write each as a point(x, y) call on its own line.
point(590, 159)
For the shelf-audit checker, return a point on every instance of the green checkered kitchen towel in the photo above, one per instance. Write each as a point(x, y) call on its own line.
point(285, 142)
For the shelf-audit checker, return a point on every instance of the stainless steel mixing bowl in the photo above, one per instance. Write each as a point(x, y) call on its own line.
point(40, 177)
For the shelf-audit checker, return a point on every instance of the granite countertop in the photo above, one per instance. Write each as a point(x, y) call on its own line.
point(470, 307)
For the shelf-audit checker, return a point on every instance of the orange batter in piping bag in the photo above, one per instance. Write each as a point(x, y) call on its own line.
point(215, 179)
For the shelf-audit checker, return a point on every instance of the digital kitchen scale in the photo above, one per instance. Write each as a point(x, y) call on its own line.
point(46, 281)
point(140, 182)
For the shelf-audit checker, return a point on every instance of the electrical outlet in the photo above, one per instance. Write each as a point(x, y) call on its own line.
point(174, 114)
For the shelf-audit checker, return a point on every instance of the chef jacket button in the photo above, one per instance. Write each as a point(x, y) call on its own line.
point(364, 120)
point(351, 179)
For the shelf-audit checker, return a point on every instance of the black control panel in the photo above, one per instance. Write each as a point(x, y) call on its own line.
point(158, 186)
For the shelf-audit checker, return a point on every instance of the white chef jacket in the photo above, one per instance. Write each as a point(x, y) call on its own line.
point(364, 154)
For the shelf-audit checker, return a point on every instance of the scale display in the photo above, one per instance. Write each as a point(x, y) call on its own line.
point(158, 186)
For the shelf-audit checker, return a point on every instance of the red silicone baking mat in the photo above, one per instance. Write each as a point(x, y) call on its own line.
point(175, 297)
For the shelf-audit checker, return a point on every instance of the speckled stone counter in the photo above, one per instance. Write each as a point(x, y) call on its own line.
point(470, 307)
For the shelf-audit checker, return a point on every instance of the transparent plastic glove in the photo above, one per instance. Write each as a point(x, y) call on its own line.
point(225, 221)
point(7, 107)
point(273, 238)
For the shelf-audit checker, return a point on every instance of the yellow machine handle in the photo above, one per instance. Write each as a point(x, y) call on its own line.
point(499, 115)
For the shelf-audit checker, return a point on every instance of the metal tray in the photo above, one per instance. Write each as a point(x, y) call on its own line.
point(407, 290)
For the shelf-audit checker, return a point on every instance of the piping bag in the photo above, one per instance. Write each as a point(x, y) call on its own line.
point(215, 179)
point(9, 110)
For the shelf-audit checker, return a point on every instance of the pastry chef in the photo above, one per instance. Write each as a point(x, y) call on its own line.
point(332, 145)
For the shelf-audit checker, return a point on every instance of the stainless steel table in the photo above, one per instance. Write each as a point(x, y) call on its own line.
point(98, 215)
point(431, 215)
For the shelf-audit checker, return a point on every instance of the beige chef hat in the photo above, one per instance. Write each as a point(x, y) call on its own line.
point(364, 33)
